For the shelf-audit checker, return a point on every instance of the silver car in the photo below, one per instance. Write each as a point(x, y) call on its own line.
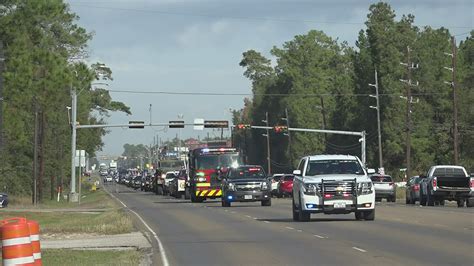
point(384, 187)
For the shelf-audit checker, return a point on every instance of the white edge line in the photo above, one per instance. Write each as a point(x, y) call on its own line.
point(248, 216)
point(359, 249)
point(164, 259)
point(318, 236)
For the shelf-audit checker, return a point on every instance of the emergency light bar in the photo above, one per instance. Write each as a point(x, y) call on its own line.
point(217, 150)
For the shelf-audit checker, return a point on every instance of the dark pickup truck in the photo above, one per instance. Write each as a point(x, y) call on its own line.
point(446, 182)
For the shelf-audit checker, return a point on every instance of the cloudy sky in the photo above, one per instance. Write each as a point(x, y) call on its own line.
point(196, 46)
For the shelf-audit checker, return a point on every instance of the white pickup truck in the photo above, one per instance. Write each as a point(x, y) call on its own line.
point(332, 184)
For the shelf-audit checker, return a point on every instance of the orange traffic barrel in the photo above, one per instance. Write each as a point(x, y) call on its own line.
point(35, 241)
point(16, 243)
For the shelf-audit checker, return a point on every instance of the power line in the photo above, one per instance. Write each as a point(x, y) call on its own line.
point(233, 17)
point(271, 94)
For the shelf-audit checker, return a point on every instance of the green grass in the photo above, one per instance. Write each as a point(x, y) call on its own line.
point(62, 257)
point(108, 222)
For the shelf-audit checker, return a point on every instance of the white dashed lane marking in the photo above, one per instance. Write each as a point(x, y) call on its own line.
point(359, 249)
point(291, 228)
point(318, 236)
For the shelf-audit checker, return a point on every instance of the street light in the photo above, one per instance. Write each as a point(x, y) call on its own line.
point(73, 197)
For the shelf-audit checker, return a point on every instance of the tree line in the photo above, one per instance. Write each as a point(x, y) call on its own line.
point(324, 84)
point(45, 55)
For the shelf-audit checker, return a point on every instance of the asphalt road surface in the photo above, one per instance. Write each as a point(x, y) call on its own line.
point(248, 234)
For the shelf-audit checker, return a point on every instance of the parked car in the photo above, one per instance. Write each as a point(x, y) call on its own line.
point(285, 186)
point(3, 200)
point(384, 187)
point(246, 183)
point(447, 182)
point(412, 190)
point(275, 179)
point(146, 183)
point(136, 181)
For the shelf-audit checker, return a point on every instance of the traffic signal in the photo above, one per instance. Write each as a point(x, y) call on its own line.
point(176, 124)
point(136, 124)
point(216, 124)
point(280, 129)
point(242, 126)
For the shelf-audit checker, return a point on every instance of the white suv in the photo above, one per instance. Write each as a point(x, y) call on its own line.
point(332, 184)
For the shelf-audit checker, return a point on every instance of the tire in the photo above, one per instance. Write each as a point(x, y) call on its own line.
point(441, 202)
point(187, 193)
point(159, 190)
point(429, 199)
point(303, 216)
point(394, 199)
point(225, 203)
point(267, 202)
point(470, 202)
point(294, 210)
point(359, 215)
point(369, 215)
point(460, 203)
point(422, 199)
point(407, 201)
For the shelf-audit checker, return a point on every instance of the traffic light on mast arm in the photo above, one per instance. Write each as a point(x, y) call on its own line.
point(242, 126)
point(280, 129)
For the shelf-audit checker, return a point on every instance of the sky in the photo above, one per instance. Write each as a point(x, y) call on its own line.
point(196, 46)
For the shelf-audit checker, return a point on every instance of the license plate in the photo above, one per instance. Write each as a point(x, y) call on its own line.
point(247, 196)
point(339, 205)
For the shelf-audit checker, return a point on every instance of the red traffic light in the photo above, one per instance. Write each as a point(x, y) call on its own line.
point(280, 129)
point(242, 126)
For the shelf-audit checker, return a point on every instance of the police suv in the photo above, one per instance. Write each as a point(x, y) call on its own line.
point(332, 184)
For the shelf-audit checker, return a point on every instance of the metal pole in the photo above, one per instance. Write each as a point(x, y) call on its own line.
point(455, 107)
point(1, 97)
point(408, 130)
point(363, 143)
point(269, 165)
point(72, 194)
point(290, 152)
point(80, 177)
point(378, 120)
point(35, 155)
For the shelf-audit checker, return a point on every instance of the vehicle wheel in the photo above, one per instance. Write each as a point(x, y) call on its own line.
point(225, 203)
point(429, 200)
point(407, 201)
point(294, 210)
point(159, 190)
point(422, 199)
point(187, 193)
point(394, 199)
point(441, 202)
point(267, 202)
point(460, 203)
point(303, 216)
point(470, 202)
point(359, 215)
point(369, 215)
point(279, 194)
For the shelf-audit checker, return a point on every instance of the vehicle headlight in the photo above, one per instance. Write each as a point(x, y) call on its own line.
point(364, 188)
point(230, 186)
point(264, 186)
point(310, 189)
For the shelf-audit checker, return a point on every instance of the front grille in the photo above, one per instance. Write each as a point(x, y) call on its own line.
point(250, 186)
point(337, 188)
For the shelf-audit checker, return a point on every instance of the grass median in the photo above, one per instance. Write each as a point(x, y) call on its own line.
point(90, 257)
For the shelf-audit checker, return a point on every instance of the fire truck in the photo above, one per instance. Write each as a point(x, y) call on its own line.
point(205, 165)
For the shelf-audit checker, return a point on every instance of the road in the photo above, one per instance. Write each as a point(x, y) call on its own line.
point(248, 234)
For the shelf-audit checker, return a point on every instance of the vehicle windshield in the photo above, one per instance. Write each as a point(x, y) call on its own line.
point(379, 178)
point(216, 161)
point(329, 167)
point(247, 172)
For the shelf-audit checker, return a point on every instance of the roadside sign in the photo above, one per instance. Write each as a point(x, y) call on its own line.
point(198, 124)
point(82, 155)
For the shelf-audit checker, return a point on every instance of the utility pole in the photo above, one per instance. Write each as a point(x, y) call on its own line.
point(72, 194)
point(409, 65)
point(269, 163)
point(287, 119)
point(35, 155)
point(2, 59)
point(455, 100)
point(376, 96)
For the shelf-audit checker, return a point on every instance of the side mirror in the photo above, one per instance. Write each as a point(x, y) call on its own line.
point(297, 172)
point(370, 171)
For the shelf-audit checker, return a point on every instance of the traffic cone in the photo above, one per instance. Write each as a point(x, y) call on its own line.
point(16, 243)
point(35, 241)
